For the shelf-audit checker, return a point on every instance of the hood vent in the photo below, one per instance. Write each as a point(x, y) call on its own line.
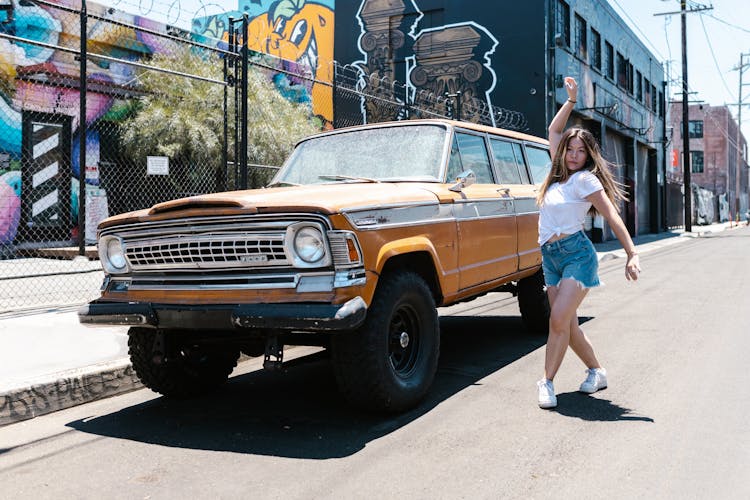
point(193, 203)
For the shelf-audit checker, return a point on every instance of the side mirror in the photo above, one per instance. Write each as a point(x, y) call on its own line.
point(464, 180)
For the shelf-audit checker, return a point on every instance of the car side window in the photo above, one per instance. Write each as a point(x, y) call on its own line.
point(521, 161)
point(454, 163)
point(539, 163)
point(473, 151)
point(505, 162)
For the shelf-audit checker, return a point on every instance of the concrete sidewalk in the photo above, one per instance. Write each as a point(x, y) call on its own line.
point(48, 361)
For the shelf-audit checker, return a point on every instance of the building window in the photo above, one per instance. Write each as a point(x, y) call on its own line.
point(647, 97)
point(695, 129)
point(563, 22)
point(622, 71)
point(581, 42)
point(596, 49)
point(654, 105)
point(609, 60)
point(639, 86)
point(696, 162)
point(631, 87)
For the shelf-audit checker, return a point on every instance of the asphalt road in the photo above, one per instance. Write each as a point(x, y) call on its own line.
point(672, 423)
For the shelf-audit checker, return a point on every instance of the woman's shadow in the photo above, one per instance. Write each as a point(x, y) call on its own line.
point(593, 408)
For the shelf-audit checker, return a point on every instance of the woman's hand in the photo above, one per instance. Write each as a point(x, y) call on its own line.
point(557, 125)
point(632, 267)
point(571, 87)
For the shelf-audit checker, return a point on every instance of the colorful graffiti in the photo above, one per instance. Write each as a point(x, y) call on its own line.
point(10, 205)
point(39, 80)
point(452, 59)
point(34, 23)
point(297, 32)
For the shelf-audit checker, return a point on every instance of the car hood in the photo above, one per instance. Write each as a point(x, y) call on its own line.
point(322, 198)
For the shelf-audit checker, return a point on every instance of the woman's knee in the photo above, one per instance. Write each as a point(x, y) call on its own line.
point(559, 324)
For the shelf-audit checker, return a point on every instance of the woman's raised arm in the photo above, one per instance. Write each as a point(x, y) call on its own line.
point(557, 126)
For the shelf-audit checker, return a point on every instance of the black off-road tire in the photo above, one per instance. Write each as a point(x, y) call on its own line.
point(377, 367)
point(186, 370)
point(534, 303)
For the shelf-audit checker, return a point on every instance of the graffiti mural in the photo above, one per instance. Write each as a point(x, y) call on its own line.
point(299, 33)
point(10, 205)
point(451, 61)
point(455, 60)
point(42, 81)
point(387, 32)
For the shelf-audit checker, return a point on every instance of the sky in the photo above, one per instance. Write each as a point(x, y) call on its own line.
point(716, 38)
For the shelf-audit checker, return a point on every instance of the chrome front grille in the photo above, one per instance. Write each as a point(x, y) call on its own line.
point(207, 251)
point(210, 243)
point(236, 252)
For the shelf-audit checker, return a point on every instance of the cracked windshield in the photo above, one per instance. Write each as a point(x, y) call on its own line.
point(403, 153)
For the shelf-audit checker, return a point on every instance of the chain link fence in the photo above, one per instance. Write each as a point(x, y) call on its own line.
point(104, 113)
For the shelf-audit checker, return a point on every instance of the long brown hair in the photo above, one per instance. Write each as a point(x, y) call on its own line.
point(595, 163)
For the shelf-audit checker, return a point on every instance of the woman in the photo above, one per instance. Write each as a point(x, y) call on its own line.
point(579, 179)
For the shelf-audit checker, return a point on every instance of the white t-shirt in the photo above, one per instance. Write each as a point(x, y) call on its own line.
point(565, 206)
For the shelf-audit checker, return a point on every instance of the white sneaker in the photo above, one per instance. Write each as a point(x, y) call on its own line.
point(596, 379)
point(547, 398)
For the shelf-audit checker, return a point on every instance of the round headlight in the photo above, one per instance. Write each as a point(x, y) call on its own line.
point(309, 244)
point(115, 254)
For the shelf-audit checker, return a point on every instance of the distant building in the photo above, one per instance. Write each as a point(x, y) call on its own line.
point(718, 169)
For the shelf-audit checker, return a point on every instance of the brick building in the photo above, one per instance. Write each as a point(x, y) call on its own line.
point(718, 174)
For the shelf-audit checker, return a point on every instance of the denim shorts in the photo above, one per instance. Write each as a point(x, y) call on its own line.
point(571, 257)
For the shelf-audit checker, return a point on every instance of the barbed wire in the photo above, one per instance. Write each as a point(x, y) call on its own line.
point(180, 13)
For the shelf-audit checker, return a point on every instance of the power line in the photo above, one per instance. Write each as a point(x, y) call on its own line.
point(713, 55)
point(667, 20)
point(728, 23)
point(635, 25)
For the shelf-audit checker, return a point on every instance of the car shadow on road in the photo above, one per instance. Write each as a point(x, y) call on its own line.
point(299, 413)
point(594, 408)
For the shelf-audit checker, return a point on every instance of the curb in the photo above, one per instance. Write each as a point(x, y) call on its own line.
point(650, 244)
point(67, 389)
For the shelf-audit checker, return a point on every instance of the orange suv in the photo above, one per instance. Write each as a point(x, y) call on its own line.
point(360, 236)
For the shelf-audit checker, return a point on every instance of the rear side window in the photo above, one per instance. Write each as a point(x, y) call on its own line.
point(505, 162)
point(473, 151)
point(518, 151)
point(539, 163)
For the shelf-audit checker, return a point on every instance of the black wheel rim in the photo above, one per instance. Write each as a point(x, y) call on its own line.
point(404, 339)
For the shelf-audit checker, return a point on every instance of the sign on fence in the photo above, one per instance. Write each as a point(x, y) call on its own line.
point(157, 165)
point(97, 210)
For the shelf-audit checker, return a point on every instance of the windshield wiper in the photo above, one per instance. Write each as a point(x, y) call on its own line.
point(283, 183)
point(336, 177)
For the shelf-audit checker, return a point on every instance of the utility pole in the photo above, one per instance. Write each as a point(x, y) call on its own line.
point(685, 130)
point(685, 114)
point(738, 167)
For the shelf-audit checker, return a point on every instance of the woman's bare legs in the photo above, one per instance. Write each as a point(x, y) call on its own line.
point(563, 327)
point(581, 345)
